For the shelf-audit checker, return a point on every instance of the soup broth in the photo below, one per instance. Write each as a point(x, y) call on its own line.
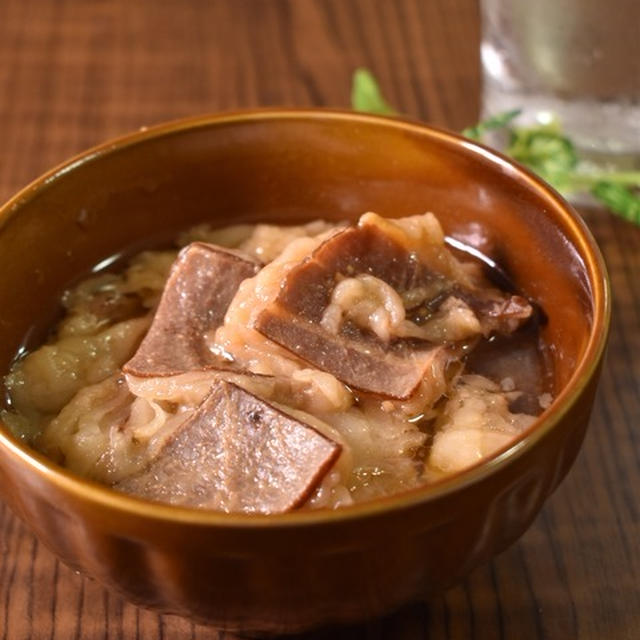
point(264, 368)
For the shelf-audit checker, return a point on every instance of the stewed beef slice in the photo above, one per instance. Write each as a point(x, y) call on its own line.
point(237, 453)
point(413, 260)
point(201, 285)
point(362, 363)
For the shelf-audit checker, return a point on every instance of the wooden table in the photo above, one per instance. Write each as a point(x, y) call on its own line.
point(73, 73)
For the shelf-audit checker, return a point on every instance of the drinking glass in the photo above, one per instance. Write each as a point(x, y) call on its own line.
point(576, 61)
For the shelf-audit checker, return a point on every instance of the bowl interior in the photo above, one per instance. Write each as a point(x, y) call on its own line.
point(289, 167)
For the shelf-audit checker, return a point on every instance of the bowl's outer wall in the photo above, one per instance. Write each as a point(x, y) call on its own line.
point(288, 579)
point(291, 169)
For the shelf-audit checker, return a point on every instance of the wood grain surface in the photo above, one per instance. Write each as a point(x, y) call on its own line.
point(73, 73)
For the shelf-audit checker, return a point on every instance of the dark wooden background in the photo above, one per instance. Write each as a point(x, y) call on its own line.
point(73, 73)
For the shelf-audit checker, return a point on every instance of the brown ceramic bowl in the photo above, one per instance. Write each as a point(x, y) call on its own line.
point(303, 569)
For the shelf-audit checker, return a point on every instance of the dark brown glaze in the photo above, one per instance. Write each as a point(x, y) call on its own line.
point(201, 285)
point(396, 369)
point(237, 453)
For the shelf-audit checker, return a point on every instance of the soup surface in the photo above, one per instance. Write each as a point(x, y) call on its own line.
point(263, 368)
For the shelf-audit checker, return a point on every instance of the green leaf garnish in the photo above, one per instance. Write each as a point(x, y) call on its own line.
point(544, 149)
point(366, 94)
point(619, 199)
point(490, 124)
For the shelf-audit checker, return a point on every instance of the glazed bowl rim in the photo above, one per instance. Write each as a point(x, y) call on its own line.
point(571, 223)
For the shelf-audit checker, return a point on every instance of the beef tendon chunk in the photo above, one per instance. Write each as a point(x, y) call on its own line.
point(237, 453)
point(374, 302)
point(201, 285)
point(475, 422)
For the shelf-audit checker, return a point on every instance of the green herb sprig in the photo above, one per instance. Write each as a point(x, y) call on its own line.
point(366, 94)
point(544, 149)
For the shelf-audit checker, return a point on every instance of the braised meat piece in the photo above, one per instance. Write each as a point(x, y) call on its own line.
point(360, 362)
point(237, 453)
point(405, 266)
point(201, 285)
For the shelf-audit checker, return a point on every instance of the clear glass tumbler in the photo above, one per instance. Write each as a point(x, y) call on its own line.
point(574, 60)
